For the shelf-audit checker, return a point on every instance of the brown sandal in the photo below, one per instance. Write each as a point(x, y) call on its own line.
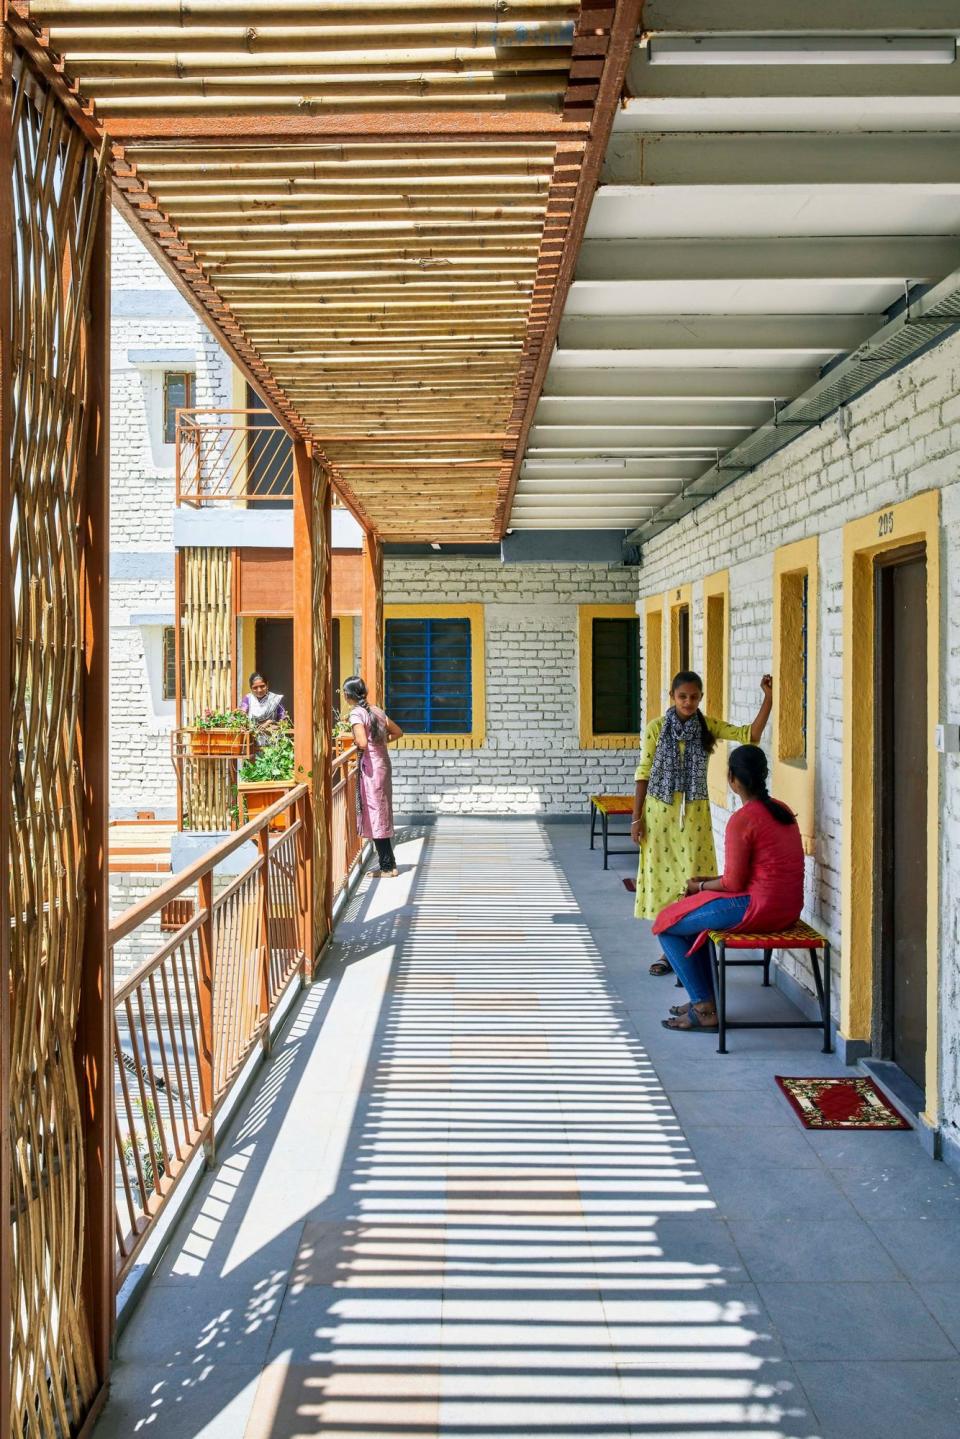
point(694, 1023)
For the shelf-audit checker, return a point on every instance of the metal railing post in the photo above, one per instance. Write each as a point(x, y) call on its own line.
point(263, 847)
point(207, 1051)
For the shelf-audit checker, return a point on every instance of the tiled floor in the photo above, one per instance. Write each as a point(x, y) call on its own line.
point(480, 1193)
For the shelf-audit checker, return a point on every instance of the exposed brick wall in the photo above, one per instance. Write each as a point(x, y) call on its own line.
point(148, 314)
point(900, 439)
point(531, 762)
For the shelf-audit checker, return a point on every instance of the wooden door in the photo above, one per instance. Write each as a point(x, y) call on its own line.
point(900, 1018)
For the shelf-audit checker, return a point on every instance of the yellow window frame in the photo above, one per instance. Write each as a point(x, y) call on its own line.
point(587, 614)
point(716, 675)
point(793, 777)
point(653, 706)
point(478, 730)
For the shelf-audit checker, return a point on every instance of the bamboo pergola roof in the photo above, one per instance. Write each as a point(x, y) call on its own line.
point(373, 203)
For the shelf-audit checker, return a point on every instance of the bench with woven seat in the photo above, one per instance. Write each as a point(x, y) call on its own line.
point(606, 805)
point(798, 936)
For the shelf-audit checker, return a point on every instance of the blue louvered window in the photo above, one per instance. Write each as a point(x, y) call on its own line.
point(428, 674)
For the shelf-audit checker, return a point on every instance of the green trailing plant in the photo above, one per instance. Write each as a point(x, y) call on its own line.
point(341, 726)
point(237, 720)
point(273, 760)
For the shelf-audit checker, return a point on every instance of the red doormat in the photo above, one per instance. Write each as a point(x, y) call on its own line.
point(631, 885)
point(841, 1104)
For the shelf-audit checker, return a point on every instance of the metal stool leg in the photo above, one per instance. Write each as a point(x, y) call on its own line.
point(827, 1027)
point(767, 956)
point(718, 955)
point(605, 828)
point(593, 823)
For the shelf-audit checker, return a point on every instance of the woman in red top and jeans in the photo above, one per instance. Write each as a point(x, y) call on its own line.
point(761, 888)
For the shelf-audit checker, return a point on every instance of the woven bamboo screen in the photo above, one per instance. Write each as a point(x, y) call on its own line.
point(322, 703)
point(207, 646)
point(57, 191)
point(371, 198)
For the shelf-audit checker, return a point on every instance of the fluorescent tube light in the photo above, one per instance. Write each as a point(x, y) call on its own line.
point(803, 50)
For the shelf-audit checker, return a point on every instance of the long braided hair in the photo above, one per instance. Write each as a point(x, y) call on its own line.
point(748, 764)
point(355, 690)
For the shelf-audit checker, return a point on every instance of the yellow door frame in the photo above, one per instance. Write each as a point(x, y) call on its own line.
point(653, 610)
point(678, 598)
point(913, 521)
point(716, 679)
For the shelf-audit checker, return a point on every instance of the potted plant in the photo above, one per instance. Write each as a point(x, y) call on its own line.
point(221, 732)
point(342, 733)
point(266, 776)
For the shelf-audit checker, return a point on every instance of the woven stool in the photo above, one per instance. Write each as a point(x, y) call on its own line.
point(799, 936)
point(605, 805)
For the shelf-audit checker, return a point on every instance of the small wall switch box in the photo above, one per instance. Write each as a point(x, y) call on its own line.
point(948, 738)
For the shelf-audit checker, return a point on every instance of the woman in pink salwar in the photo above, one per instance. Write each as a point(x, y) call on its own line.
point(372, 732)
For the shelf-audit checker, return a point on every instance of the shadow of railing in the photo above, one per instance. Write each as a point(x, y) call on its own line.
point(508, 1234)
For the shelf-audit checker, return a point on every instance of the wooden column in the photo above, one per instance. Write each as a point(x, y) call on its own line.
point(371, 630)
point(312, 692)
point(94, 1045)
point(6, 588)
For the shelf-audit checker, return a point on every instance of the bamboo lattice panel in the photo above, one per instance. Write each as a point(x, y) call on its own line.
point(370, 198)
point(206, 638)
point(57, 190)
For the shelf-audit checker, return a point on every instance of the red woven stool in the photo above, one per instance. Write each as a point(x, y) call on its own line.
point(605, 805)
point(799, 936)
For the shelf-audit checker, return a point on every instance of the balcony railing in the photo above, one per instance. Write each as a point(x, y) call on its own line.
point(187, 1020)
point(232, 456)
point(345, 840)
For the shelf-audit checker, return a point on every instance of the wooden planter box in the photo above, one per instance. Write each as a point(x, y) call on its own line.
point(344, 742)
point(229, 743)
point(254, 796)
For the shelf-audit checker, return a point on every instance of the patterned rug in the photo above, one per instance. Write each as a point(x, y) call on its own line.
point(631, 885)
point(841, 1104)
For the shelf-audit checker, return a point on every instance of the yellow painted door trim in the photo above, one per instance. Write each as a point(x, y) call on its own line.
point(910, 522)
point(794, 780)
point(653, 705)
point(676, 599)
point(717, 586)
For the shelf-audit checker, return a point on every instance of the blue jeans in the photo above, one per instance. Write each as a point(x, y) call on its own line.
point(693, 970)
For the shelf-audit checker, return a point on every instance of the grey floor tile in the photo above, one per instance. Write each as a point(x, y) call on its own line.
point(705, 1108)
point(943, 1300)
point(922, 1189)
point(924, 1249)
point(770, 1191)
point(883, 1400)
point(719, 1151)
point(860, 1320)
point(812, 1250)
point(868, 1150)
point(194, 1322)
point(763, 1397)
point(212, 1403)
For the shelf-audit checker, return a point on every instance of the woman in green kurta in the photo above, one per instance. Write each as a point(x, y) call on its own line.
point(671, 811)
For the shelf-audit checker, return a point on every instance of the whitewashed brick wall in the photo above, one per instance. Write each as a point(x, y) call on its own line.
point(902, 438)
point(531, 762)
point(147, 314)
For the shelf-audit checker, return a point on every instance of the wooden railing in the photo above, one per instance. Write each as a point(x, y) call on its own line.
point(346, 844)
point(232, 456)
point(187, 1020)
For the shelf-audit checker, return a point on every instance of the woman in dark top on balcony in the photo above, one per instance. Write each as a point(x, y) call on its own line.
point(761, 888)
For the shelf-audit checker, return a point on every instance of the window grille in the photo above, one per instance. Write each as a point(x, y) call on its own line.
point(177, 395)
point(615, 671)
point(429, 675)
point(169, 662)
